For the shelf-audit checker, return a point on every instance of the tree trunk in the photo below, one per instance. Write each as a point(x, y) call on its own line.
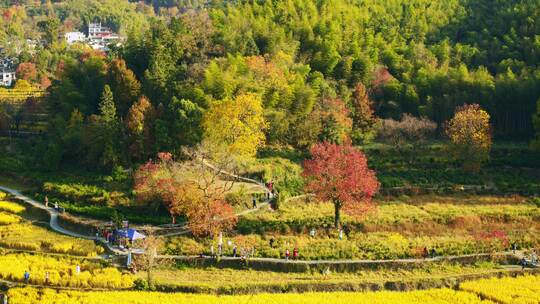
point(337, 217)
point(150, 277)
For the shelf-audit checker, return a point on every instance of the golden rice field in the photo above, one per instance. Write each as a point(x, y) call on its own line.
point(216, 279)
point(435, 296)
point(8, 219)
point(62, 272)
point(19, 233)
point(522, 290)
point(11, 207)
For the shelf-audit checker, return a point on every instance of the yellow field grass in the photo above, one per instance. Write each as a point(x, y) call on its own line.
point(435, 296)
point(521, 290)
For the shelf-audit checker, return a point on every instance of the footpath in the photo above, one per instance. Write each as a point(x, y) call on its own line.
point(262, 262)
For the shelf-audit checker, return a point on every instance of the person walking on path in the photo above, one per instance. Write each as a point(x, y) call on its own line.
point(254, 202)
point(270, 186)
point(234, 251)
point(514, 247)
point(287, 254)
point(46, 201)
point(340, 236)
point(523, 263)
point(433, 253)
point(425, 253)
point(212, 250)
point(295, 253)
point(220, 243)
point(26, 276)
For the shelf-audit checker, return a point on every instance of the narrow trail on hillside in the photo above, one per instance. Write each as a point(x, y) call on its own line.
point(53, 222)
point(179, 230)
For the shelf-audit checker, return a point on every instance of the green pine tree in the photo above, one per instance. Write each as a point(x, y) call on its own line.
point(107, 109)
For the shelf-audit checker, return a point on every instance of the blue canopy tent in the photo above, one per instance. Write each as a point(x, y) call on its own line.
point(131, 234)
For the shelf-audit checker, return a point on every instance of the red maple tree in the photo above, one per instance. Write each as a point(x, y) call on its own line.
point(211, 217)
point(165, 181)
point(340, 174)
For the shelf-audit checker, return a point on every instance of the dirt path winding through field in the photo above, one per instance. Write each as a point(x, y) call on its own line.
point(173, 231)
point(53, 222)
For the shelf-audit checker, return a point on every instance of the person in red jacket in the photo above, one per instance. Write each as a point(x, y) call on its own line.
point(295, 253)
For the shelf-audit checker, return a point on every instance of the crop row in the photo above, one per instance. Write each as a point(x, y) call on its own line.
point(61, 272)
point(436, 296)
point(18, 233)
point(521, 290)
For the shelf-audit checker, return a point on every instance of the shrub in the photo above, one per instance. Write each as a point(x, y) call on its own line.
point(235, 198)
point(141, 284)
point(183, 246)
point(84, 194)
point(536, 201)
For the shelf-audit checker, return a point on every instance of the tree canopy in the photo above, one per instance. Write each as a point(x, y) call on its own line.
point(321, 70)
point(340, 174)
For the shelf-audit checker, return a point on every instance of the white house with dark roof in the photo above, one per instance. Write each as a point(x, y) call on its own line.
point(96, 30)
point(7, 72)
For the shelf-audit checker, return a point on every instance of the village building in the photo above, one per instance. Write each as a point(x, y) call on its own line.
point(7, 72)
point(99, 37)
point(73, 37)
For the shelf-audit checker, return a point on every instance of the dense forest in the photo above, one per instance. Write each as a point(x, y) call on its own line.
point(322, 70)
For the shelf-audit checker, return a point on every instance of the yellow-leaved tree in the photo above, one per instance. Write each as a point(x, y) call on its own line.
point(470, 135)
point(236, 124)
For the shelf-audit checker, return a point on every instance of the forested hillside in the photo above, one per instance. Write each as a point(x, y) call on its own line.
point(322, 70)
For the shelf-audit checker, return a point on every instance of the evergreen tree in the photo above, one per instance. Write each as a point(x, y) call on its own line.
point(364, 120)
point(103, 134)
point(124, 85)
point(107, 109)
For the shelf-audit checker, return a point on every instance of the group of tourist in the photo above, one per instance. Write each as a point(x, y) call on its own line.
point(246, 252)
point(531, 261)
point(288, 254)
point(26, 275)
point(427, 253)
point(56, 206)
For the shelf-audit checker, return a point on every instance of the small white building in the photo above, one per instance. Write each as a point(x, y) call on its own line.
point(73, 37)
point(96, 30)
point(7, 78)
point(7, 72)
